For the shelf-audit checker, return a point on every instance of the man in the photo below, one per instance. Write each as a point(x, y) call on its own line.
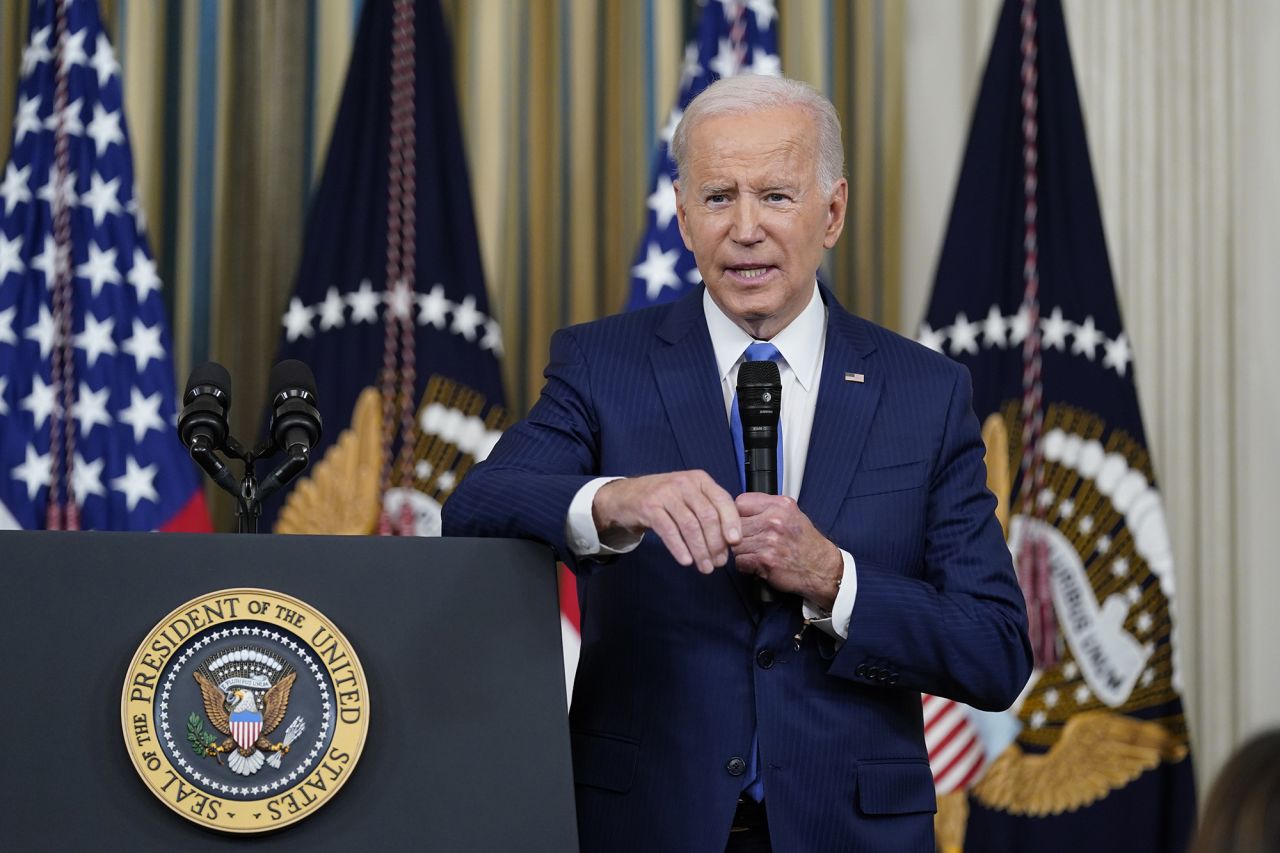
point(704, 718)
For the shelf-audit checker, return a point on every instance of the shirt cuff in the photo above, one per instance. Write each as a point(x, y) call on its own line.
point(836, 623)
point(580, 526)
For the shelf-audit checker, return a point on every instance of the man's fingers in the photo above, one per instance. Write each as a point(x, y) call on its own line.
point(726, 511)
point(669, 532)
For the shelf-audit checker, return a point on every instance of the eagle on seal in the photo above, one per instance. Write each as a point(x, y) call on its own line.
point(236, 714)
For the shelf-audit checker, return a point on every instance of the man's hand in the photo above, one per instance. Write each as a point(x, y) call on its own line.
point(694, 517)
point(781, 546)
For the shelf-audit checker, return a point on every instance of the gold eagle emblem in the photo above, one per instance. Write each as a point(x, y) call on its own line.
point(218, 706)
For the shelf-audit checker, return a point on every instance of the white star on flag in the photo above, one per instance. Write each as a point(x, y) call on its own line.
point(91, 407)
point(50, 186)
point(34, 473)
point(363, 302)
point(104, 60)
point(764, 11)
point(86, 478)
point(42, 331)
point(144, 345)
point(142, 414)
point(492, 339)
point(36, 52)
point(466, 318)
point(142, 275)
point(6, 326)
point(964, 335)
point(765, 63)
point(400, 299)
point(41, 402)
point(725, 62)
point(105, 129)
point(73, 52)
point(43, 262)
point(102, 198)
point(673, 121)
point(663, 201)
point(136, 483)
point(332, 310)
point(1087, 338)
point(4, 384)
point(658, 270)
point(1116, 354)
point(100, 269)
point(297, 320)
point(96, 339)
point(432, 307)
point(1054, 331)
point(10, 256)
point(14, 188)
point(71, 123)
point(28, 118)
point(993, 328)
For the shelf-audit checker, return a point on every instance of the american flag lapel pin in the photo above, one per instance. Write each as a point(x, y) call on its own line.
point(854, 377)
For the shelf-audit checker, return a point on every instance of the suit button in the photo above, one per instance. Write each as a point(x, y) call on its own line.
point(892, 680)
point(736, 766)
point(861, 671)
point(765, 658)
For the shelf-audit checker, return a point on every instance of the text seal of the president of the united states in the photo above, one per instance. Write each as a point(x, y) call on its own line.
point(245, 710)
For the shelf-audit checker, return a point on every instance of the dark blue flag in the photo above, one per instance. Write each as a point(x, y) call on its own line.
point(1096, 755)
point(87, 401)
point(733, 38)
point(394, 204)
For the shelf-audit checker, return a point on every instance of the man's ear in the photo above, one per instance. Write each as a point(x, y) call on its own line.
point(836, 209)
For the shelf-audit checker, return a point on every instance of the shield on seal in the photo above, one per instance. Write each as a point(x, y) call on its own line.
point(246, 724)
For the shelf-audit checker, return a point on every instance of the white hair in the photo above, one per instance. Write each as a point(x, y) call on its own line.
point(748, 93)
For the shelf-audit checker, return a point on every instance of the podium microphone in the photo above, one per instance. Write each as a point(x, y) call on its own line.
point(295, 421)
point(759, 405)
point(202, 425)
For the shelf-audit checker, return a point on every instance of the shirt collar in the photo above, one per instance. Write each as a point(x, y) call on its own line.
point(800, 343)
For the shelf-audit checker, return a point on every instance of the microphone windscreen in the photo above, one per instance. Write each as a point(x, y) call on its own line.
point(291, 374)
point(210, 373)
point(759, 373)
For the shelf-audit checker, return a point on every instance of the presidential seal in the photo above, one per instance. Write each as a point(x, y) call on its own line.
point(244, 710)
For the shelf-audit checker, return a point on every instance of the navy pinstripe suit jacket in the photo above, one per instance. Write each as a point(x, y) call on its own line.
point(672, 681)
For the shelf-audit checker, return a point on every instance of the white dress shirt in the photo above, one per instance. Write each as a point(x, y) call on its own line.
point(801, 345)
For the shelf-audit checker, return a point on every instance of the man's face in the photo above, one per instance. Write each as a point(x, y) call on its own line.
point(751, 211)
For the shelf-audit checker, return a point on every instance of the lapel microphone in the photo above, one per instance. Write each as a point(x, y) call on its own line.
point(759, 405)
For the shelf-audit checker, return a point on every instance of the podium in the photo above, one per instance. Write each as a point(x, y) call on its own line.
point(467, 746)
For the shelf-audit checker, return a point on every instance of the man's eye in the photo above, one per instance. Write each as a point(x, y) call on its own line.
point(775, 197)
point(717, 198)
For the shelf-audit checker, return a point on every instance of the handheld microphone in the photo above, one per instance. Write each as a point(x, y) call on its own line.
point(759, 405)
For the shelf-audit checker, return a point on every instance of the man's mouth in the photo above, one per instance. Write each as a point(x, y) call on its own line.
point(750, 273)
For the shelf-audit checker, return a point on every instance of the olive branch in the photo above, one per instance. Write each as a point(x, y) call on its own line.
point(199, 738)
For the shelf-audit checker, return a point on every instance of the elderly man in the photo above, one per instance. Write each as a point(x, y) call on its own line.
point(706, 716)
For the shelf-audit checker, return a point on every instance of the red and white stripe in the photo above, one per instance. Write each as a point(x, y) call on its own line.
point(956, 756)
point(245, 732)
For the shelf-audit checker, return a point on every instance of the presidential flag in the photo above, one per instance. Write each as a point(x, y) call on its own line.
point(733, 38)
point(390, 308)
point(1096, 755)
point(87, 401)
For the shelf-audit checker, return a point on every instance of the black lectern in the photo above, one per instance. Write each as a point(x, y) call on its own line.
point(467, 747)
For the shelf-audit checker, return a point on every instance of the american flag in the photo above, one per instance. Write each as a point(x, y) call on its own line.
point(733, 38)
point(87, 399)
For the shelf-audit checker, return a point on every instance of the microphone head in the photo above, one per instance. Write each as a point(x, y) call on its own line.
point(291, 375)
point(755, 374)
point(209, 377)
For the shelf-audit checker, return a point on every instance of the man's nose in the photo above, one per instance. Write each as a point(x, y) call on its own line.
point(746, 223)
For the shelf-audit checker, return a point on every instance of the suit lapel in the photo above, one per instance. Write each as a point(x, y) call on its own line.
point(842, 417)
point(685, 372)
